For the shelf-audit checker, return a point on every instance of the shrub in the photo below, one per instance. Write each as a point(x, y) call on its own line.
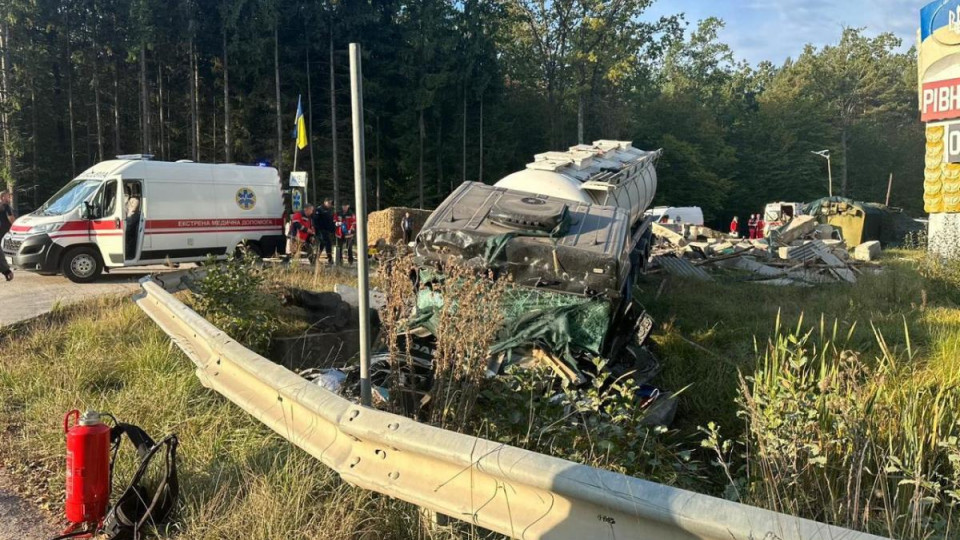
point(852, 440)
point(229, 296)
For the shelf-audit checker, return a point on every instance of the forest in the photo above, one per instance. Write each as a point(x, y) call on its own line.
point(454, 90)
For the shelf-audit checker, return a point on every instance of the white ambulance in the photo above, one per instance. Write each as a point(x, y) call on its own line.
point(134, 212)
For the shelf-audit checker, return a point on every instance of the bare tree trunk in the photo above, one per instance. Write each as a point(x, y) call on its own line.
point(843, 144)
point(89, 137)
point(463, 167)
point(214, 138)
point(423, 135)
point(480, 174)
point(378, 162)
point(313, 166)
point(145, 140)
point(161, 131)
point(5, 104)
point(579, 118)
point(333, 127)
point(33, 114)
point(96, 107)
point(227, 143)
point(276, 72)
point(73, 141)
point(194, 90)
point(116, 106)
point(439, 181)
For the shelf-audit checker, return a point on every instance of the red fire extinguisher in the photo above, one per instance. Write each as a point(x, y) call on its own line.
point(88, 467)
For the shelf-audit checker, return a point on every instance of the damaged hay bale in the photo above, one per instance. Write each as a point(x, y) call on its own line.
point(385, 224)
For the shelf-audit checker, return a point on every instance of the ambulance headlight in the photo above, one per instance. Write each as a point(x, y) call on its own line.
point(46, 228)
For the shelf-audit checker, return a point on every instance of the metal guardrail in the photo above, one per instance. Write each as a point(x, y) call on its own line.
point(515, 492)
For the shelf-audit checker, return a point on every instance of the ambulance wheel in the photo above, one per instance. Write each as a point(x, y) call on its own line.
point(247, 248)
point(81, 265)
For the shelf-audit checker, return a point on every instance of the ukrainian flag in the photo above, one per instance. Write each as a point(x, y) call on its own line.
point(301, 127)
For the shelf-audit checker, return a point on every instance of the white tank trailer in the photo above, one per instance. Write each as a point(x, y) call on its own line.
point(607, 173)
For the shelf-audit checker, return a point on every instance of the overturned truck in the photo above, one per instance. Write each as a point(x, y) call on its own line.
point(570, 235)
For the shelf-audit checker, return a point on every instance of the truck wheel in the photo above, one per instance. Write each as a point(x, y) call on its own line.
point(81, 265)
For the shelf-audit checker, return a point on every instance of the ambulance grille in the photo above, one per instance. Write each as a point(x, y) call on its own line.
point(11, 246)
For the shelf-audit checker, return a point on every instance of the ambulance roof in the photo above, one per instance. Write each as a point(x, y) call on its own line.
point(182, 171)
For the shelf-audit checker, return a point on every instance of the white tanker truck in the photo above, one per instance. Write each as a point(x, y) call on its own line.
point(570, 222)
point(569, 232)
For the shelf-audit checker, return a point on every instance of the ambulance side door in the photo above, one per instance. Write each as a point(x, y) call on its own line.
point(105, 215)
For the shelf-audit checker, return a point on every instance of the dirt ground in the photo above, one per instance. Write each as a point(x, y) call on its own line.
point(19, 519)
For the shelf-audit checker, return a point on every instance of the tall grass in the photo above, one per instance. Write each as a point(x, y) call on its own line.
point(864, 441)
point(238, 479)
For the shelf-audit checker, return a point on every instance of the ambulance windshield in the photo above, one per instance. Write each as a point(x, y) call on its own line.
point(69, 197)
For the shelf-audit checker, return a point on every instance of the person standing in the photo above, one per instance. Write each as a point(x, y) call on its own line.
point(132, 226)
point(301, 229)
point(6, 222)
point(761, 225)
point(346, 223)
point(735, 226)
point(323, 225)
point(752, 226)
point(406, 224)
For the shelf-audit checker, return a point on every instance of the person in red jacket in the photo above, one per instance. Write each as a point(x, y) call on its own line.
point(301, 229)
point(346, 223)
point(761, 225)
point(735, 226)
point(752, 226)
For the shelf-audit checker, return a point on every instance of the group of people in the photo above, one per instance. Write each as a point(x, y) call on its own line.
point(755, 226)
point(317, 229)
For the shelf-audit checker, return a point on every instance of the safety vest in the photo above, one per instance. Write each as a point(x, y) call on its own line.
point(346, 225)
point(304, 226)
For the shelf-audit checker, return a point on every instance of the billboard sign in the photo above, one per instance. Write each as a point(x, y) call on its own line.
point(951, 142)
point(940, 100)
point(940, 21)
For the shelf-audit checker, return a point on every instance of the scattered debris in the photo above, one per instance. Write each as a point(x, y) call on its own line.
point(679, 266)
point(867, 251)
point(331, 379)
point(800, 253)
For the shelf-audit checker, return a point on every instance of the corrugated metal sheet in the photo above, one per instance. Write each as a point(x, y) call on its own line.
point(678, 266)
point(806, 252)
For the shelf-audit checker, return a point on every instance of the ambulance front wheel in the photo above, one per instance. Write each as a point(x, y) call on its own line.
point(81, 265)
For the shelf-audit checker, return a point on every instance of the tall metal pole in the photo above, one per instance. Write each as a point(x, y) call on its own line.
point(830, 175)
point(360, 188)
point(889, 187)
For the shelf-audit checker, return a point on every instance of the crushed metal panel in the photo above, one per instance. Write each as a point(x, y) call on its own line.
point(590, 257)
point(679, 266)
point(806, 252)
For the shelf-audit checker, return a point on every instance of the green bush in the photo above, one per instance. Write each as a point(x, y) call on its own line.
point(230, 297)
point(602, 425)
point(862, 441)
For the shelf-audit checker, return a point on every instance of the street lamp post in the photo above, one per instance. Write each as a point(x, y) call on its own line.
point(826, 154)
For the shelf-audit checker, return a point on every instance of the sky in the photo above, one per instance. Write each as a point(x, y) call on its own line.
point(774, 30)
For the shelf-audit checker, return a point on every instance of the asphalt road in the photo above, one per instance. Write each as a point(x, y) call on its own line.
point(30, 294)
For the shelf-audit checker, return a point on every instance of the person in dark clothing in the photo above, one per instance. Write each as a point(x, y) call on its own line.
point(6, 221)
point(406, 224)
point(323, 224)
